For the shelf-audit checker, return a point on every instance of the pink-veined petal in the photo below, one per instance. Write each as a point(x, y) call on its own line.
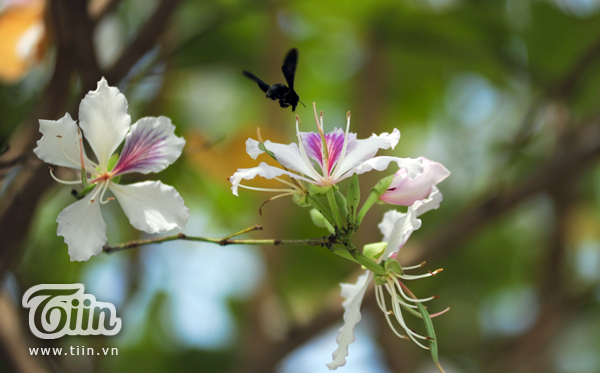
point(83, 228)
point(59, 144)
point(353, 295)
point(104, 120)
point(406, 191)
point(152, 206)
point(359, 151)
point(397, 228)
point(263, 170)
point(314, 146)
point(150, 146)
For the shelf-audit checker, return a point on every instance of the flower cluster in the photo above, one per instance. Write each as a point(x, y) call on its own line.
point(324, 160)
point(310, 171)
point(150, 146)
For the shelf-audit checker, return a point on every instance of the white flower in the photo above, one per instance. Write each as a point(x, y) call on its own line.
point(396, 228)
point(150, 146)
point(309, 161)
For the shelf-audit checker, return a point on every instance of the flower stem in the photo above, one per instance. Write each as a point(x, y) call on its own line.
point(363, 260)
point(224, 241)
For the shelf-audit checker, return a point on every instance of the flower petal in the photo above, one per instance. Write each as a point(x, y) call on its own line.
point(263, 170)
point(59, 144)
point(150, 146)
point(413, 166)
point(353, 294)
point(83, 228)
point(402, 226)
point(252, 148)
point(289, 156)
point(359, 151)
point(152, 206)
point(104, 120)
point(404, 191)
point(432, 202)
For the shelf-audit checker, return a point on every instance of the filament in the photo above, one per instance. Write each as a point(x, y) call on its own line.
point(295, 187)
point(315, 174)
point(343, 155)
point(74, 182)
point(104, 187)
point(266, 189)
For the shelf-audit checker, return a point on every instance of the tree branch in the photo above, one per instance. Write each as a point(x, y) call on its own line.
point(224, 241)
point(144, 42)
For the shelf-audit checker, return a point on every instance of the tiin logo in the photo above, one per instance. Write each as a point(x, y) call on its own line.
point(63, 309)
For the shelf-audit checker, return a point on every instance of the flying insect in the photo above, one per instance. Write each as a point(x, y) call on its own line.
point(285, 94)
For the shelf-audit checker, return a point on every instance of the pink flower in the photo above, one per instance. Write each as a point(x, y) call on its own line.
point(309, 161)
point(405, 191)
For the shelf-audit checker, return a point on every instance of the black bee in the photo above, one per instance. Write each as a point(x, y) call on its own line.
point(286, 95)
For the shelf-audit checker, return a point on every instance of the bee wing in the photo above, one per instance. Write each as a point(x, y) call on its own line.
point(264, 86)
point(289, 67)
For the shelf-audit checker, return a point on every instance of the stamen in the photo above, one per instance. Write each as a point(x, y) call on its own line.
point(74, 182)
point(440, 313)
point(265, 189)
point(295, 187)
point(95, 193)
point(315, 175)
point(381, 303)
point(102, 201)
point(324, 150)
point(258, 134)
point(391, 288)
point(414, 267)
point(400, 287)
point(411, 277)
point(271, 199)
point(336, 172)
point(63, 151)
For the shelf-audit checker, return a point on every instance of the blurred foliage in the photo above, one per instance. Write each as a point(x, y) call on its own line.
point(478, 86)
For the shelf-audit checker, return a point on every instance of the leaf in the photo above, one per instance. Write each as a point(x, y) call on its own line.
point(431, 333)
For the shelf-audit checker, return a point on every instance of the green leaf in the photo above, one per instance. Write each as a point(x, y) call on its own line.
point(433, 347)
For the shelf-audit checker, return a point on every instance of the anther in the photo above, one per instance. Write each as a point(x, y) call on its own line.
point(258, 134)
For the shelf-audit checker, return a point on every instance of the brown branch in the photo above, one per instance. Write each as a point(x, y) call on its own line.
point(576, 153)
point(566, 87)
point(86, 62)
point(144, 42)
point(14, 343)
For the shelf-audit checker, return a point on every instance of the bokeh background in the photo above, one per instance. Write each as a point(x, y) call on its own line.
point(504, 93)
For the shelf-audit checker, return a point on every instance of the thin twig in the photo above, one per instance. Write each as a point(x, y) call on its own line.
point(13, 162)
point(223, 241)
point(145, 41)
